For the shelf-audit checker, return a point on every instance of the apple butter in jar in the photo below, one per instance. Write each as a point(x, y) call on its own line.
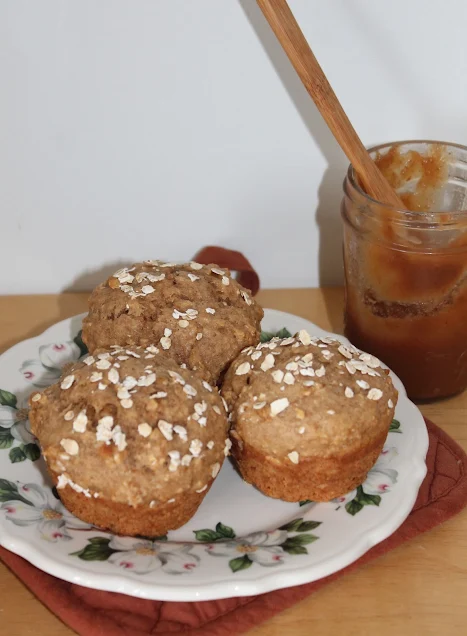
point(406, 270)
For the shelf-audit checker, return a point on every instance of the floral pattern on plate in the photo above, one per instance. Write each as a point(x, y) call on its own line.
point(14, 427)
point(145, 555)
point(47, 368)
point(379, 480)
point(267, 549)
point(32, 505)
point(39, 372)
point(141, 556)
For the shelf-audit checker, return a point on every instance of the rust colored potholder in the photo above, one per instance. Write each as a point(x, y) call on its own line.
point(235, 261)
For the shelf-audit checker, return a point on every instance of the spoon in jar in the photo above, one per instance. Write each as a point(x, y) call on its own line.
point(292, 40)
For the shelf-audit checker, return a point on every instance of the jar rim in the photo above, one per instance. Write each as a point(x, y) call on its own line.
point(437, 216)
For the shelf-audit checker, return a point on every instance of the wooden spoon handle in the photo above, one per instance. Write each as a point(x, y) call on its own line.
point(290, 36)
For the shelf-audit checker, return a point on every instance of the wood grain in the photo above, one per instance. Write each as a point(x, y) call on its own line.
point(297, 49)
point(420, 588)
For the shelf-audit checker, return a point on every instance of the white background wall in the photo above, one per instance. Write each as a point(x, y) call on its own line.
point(147, 128)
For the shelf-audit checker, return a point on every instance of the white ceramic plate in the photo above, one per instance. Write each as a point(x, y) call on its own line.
point(239, 543)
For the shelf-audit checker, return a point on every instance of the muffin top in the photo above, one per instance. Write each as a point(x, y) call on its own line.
point(196, 314)
point(131, 426)
point(305, 396)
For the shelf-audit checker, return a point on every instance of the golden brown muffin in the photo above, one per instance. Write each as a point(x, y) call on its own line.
point(132, 441)
point(309, 416)
point(195, 314)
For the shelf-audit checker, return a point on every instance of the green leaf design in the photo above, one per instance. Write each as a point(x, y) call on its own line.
point(206, 535)
point(308, 525)
point(6, 438)
point(78, 340)
point(361, 499)
point(298, 525)
point(9, 492)
point(353, 507)
point(7, 398)
point(266, 336)
point(368, 500)
point(225, 531)
point(301, 539)
point(395, 426)
point(292, 526)
point(96, 550)
point(304, 502)
point(16, 454)
point(294, 548)
point(209, 536)
point(283, 333)
point(99, 540)
point(296, 545)
point(240, 563)
point(6, 485)
point(31, 451)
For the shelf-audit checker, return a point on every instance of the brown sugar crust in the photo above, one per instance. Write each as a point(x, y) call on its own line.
point(195, 314)
point(309, 416)
point(129, 428)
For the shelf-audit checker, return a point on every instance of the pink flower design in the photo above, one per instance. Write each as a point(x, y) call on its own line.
point(44, 511)
point(345, 498)
point(143, 556)
point(261, 547)
point(380, 479)
point(52, 358)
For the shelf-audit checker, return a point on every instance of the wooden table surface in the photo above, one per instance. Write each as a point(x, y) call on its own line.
point(419, 588)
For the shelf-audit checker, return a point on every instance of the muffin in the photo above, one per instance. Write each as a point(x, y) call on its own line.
point(309, 416)
point(195, 314)
point(132, 441)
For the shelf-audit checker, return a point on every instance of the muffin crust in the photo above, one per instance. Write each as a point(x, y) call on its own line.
point(309, 416)
point(132, 441)
point(195, 314)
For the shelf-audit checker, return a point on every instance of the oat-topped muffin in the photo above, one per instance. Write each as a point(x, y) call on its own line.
point(132, 441)
point(309, 416)
point(196, 314)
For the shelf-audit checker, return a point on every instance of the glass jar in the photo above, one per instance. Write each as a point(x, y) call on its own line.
point(406, 271)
